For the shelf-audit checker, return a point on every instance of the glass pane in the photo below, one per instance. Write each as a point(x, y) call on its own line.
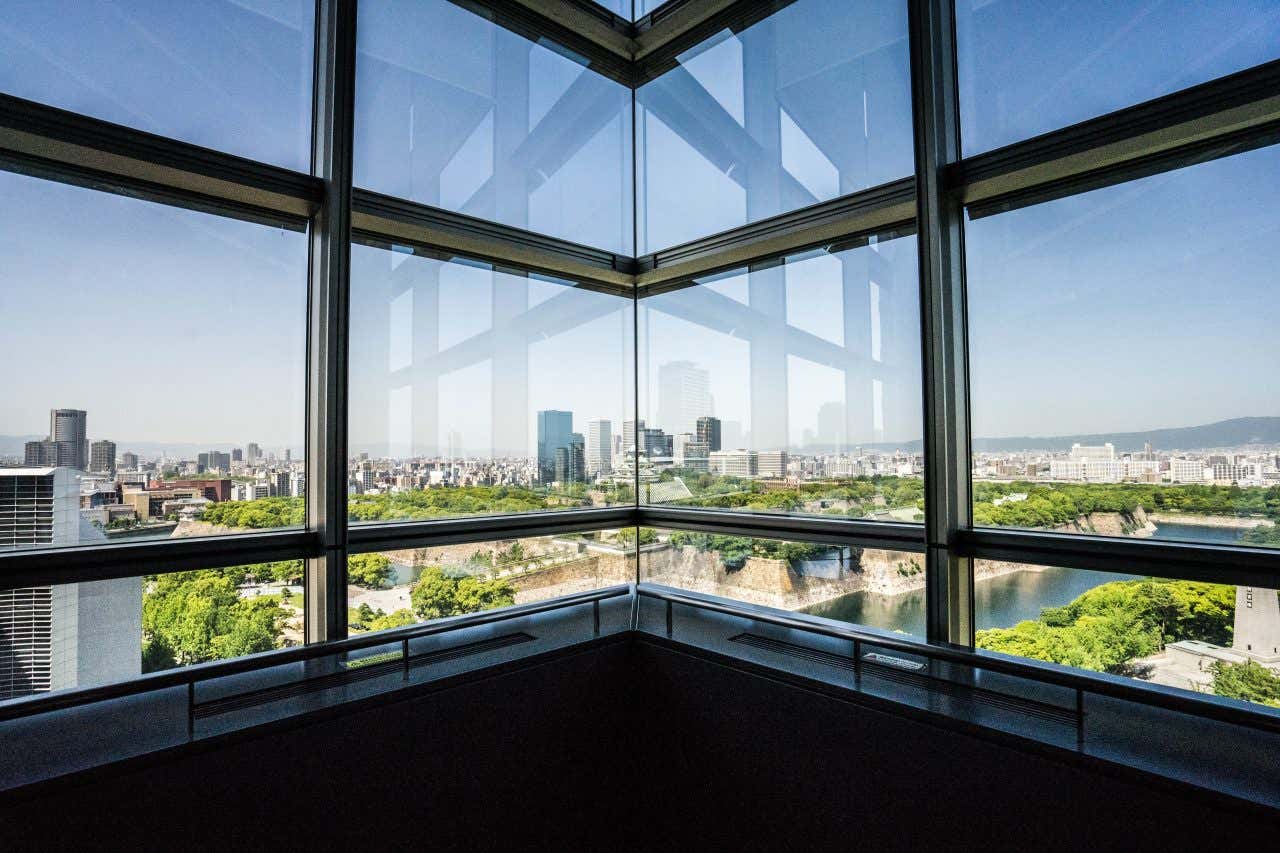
point(867, 586)
point(162, 380)
point(617, 7)
point(478, 391)
point(391, 589)
point(457, 112)
point(811, 103)
point(1122, 345)
point(1027, 68)
point(793, 387)
point(1210, 638)
point(100, 632)
point(234, 75)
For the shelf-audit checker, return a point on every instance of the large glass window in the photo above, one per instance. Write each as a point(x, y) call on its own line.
point(869, 586)
point(793, 386)
point(476, 390)
point(1122, 345)
point(390, 589)
point(1211, 638)
point(56, 637)
point(228, 74)
point(1030, 67)
point(456, 112)
point(157, 369)
point(809, 104)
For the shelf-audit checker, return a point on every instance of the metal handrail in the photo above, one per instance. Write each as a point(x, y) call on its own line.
point(1158, 696)
point(191, 675)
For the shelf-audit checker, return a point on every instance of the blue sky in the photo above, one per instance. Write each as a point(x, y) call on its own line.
point(1139, 306)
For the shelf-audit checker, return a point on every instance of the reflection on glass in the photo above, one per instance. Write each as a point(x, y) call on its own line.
point(228, 74)
point(100, 632)
point(1210, 638)
point(811, 103)
point(479, 391)
point(390, 589)
point(841, 582)
point(1027, 68)
point(457, 112)
point(162, 356)
point(792, 387)
point(1102, 398)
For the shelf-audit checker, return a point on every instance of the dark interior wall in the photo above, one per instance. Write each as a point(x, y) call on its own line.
point(764, 765)
point(619, 747)
point(528, 759)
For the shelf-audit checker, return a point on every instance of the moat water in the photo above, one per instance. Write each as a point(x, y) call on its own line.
point(1002, 601)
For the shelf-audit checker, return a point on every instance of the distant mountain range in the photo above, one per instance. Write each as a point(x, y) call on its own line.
point(1230, 433)
point(1235, 432)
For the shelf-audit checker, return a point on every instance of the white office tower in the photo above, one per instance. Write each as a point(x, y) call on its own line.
point(1257, 624)
point(684, 395)
point(599, 446)
point(772, 463)
point(735, 463)
point(69, 635)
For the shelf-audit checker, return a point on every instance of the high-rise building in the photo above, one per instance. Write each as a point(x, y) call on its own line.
point(68, 428)
point(252, 453)
point(686, 452)
point(102, 457)
point(280, 484)
point(129, 461)
point(220, 460)
point(599, 446)
point(570, 461)
point(1084, 452)
point(684, 395)
point(735, 463)
point(708, 432)
point(629, 431)
point(40, 454)
point(772, 463)
point(69, 635)
point(202, 461)
point(554, 428)
point(653, 443)
point(237, 455)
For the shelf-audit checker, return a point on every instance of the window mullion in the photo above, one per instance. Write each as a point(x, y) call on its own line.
point(332, 137)
point(949, 576)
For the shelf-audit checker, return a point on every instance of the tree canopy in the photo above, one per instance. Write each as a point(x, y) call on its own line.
point(1110, 625)
point(436, 594)
point(368, 570)
point(191, 617)
point(1249, 681)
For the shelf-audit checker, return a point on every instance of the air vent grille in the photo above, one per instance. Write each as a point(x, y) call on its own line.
point(884, 667)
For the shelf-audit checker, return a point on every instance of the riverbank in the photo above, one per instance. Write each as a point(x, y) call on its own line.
point(1232, 522)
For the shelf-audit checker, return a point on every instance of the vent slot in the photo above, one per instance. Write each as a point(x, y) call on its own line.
point(354, 672)
point(886, 667)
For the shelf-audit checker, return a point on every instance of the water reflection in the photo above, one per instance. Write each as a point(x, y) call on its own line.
point(1003, 601)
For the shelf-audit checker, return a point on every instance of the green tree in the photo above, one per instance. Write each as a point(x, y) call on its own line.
point(436, 594)
point(1109, 626)
point(368, 570)
point(190, 617)
point(1249, 681)
point(394, 619)
point(626, 537)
